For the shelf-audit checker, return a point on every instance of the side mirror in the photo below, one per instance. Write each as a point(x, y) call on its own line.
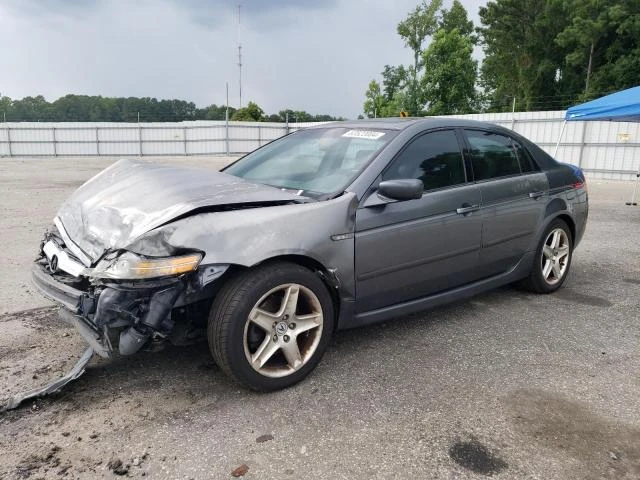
point(404, 189)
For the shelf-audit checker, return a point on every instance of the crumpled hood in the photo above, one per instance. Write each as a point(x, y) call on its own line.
point(130, 198)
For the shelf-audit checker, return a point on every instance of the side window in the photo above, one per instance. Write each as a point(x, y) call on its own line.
point(435, 158)
point(492, 155)
point(527, 163)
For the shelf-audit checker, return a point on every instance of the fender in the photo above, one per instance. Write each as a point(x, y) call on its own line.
point(321, 231)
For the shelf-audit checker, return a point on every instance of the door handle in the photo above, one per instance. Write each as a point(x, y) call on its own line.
point(467, 208)
point(536, 194)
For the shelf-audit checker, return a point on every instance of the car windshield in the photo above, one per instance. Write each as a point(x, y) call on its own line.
point(313, 162)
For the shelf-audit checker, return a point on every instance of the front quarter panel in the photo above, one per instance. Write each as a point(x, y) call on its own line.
point(250, 236)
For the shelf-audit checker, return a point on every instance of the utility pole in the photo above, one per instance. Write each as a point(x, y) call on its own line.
point(226, 114)
point(586, 87)
point(239, 56)
point(226, 124)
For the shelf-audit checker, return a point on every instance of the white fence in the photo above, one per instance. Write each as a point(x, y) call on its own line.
point(603, 149)
point(29, 139)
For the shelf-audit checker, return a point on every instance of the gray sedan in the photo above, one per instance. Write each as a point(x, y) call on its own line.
point(328, 228)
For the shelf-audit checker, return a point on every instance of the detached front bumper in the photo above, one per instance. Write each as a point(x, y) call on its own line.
point(122, 315)
point(71, 300)
point(65, 295)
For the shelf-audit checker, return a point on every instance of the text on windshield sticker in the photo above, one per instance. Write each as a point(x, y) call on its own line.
point(368, 134)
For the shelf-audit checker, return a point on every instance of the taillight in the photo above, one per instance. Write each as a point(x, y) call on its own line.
point(580, 183)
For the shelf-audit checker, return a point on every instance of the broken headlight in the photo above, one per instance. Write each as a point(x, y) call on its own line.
point(130, 266)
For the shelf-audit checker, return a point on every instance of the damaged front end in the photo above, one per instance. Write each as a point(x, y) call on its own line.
point(126, 300)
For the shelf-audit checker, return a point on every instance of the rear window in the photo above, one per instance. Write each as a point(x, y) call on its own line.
point(527, 163)
point(492, 155)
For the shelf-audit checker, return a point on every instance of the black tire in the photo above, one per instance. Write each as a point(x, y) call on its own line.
point(231, 334)
point(537, 281)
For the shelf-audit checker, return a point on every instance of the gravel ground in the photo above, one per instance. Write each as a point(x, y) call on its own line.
point(508, 384)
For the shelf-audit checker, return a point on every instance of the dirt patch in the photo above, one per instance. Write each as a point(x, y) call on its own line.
point(600, 447)
point(582, 298)
point(29, 314)
point(36, 347)
point(35, 461)
point(92, 418)
point(474, 456)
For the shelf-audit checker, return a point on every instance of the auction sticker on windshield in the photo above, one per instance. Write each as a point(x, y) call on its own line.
point(369, 134)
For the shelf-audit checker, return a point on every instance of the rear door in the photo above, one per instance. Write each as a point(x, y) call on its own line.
point(513, 198)
point(409, 249)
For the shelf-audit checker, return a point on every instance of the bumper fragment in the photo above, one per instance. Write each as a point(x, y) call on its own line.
point(52, 387)
point(72, 301)
point(63, 294)
point(98, 341)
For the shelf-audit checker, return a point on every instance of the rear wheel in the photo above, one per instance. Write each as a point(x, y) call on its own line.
point(552, 260)
point(269, 326)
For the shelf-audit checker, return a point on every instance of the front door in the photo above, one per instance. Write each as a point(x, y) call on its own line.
point(409, 249)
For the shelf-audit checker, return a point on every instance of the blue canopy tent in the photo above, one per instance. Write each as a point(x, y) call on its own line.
point(621, 106)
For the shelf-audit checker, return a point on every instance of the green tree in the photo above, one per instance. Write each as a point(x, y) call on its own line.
point(294, 116)
point(457, 17)
point(449, 80)
point(30, 109)
point(375, 101)
point(300, 116)
point(73, 108)
point(285, 114)
point(251, 113)
point(521, 58)
point(419, 24)
point(602, 44)
point(215, 112)
point(326, 118)
point(84, 108)
point(394, 80)
point(396, 105)
point(5, 107)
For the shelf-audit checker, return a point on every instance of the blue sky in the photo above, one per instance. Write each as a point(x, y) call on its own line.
point(316, 55)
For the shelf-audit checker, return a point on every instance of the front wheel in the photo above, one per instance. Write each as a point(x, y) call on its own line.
point(269, 326)
point(552, 260)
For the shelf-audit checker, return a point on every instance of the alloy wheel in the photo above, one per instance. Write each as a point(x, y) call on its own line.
point(555, 256)
point(283, 330)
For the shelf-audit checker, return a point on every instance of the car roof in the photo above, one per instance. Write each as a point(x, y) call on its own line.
point(399, 123)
